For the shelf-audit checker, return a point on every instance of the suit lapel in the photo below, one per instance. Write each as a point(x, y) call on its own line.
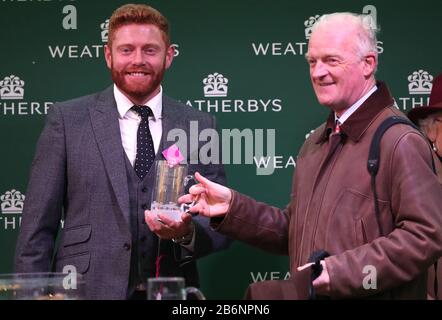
point(172, 118)
point(104, 119)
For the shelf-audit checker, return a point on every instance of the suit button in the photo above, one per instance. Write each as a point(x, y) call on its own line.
point(127, 246)
point(144, 206)
point(144, 190)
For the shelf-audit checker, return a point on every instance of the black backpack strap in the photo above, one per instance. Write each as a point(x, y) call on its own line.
point(374, 158)
point(373, 167)
point(374, 154)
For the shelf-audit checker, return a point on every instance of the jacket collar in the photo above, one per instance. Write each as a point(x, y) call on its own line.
point(104, 120)
point(355, 126)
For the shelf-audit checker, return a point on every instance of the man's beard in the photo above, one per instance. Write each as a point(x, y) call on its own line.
point(139, 91)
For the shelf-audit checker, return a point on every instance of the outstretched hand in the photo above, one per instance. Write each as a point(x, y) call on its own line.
point(212, 199)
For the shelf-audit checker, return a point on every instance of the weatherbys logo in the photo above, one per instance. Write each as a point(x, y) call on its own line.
point(420, 82)
point(104, 31)
point(11, 209)
point(419, 89)
point(274, 162)
point(309, 25)
point(12, 88)
point(92, 51)
point(247, 144)
point(216, 91)
point(299, 48)
point(269, 275)
point(74, 51)
point(215, 86)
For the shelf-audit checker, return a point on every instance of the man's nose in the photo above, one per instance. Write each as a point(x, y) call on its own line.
point(138, 57)
point(319, 70)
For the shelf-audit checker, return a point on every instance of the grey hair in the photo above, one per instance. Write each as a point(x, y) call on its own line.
point(367, 38)
point(426, 123)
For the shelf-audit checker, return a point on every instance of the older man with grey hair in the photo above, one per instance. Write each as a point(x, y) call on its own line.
point(332, 209)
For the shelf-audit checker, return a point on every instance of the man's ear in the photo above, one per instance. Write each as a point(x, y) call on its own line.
point(170, 53)
point(370, 62)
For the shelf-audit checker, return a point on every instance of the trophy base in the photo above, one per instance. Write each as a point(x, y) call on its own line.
point(171, 210)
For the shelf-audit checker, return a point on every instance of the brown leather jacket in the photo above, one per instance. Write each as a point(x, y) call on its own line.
point(332, 207)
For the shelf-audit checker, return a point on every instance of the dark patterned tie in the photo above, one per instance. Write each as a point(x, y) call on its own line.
point(145, 148)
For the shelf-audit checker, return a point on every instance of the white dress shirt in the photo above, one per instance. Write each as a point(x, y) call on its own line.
point(130, 120)
point(355, 106)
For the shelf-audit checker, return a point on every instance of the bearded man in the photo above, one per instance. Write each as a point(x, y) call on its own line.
point(94, 162)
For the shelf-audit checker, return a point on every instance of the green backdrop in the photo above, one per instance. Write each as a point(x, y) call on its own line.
point(53, 51)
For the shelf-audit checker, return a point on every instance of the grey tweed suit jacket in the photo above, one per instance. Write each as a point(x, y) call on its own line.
point(79, 174)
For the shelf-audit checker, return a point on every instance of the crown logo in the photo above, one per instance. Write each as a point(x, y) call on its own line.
point(420, 82)
point(215, 85)
point(11, 88)
point(12, 202)
point(104, 31)
point(309, 25)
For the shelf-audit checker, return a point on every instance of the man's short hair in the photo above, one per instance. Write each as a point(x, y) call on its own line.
point(367, 41)
point(138, 14)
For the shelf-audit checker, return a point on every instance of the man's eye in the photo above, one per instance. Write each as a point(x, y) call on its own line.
point(150, 51)
point(125, 50)
point(332, 61)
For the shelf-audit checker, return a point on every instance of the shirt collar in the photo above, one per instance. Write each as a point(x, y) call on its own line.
point(124, 104)
point(355, 106)
point(356, 124)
